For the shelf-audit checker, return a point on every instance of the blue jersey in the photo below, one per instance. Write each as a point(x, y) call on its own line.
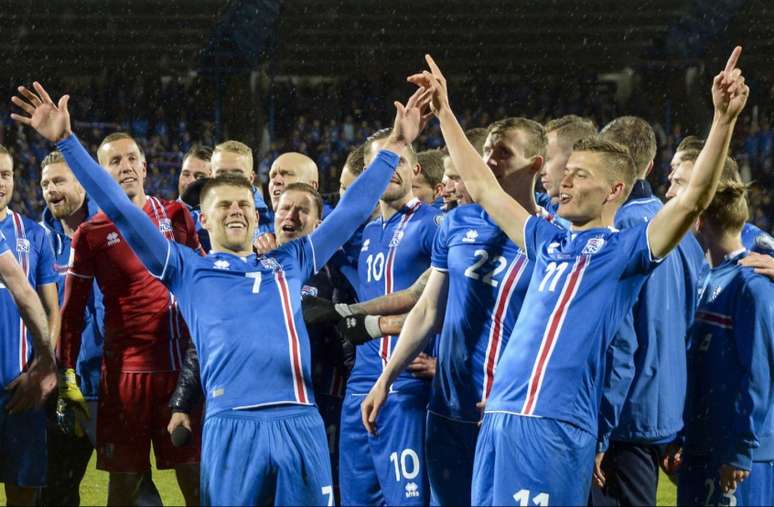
point(29, 243)
point(730, 358)
point(582, 286)
point(254, 349)
point(653, 409)
point(393, 255)
point(3, 244)
point(90, 355)
point(488, 279)
point(757, 240)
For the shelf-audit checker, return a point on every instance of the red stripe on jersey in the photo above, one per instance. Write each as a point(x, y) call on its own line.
point(24, 260)
point(386, 344)
point(553, 330)
point(293, 341)
point(494, 344)
point(717, 319)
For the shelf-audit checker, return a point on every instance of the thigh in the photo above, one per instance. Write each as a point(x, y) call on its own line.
point(358, 482)
point(124, 421)
point(167, 455)
point(23, 451)
point(482, 484)
point(541, 461)
point(398, 450)
point(68, 457)
point(300, 457)
point(235, 462)
point(631, 472)
point(450, 447)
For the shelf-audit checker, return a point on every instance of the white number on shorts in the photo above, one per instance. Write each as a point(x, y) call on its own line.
point(522, 497)
point(402, 465)
point(553, 270)
point(375, 267)
point(483, 255)
point(256, 276)
point(328, 490)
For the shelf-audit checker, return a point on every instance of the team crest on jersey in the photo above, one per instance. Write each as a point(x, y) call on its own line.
point(165, 225)
point(22, 245)
point(438, 219)
point(395, 241)
point(593, 246)
point(365, 246)
point(221, 264)
point(113, 239)
point(470, 236)
point(270, 263)
point(308, 290)
point(765, 242)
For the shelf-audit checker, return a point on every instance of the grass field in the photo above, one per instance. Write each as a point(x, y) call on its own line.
point(94, 488)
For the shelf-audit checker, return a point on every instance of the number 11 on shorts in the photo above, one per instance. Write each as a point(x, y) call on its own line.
point(522, 498)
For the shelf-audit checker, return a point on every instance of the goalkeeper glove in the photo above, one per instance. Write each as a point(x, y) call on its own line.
point(321, 311)
point(71, 393)
point(358, 329)
point(66, 420)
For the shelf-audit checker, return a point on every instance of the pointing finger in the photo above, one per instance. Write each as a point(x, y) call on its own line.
point(731, 63)
point(433, 66)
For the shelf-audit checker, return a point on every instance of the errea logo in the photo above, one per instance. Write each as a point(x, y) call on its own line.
point(221, 264)
point(412, 490)
point(365, 246)
point(113, 239)
point(470, 236)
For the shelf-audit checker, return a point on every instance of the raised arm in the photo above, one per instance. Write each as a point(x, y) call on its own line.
point(479, 180)
point(361, 198)
point(729, 95)
point(52, 121)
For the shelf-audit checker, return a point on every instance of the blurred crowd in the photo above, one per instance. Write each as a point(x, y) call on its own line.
point(325, 120)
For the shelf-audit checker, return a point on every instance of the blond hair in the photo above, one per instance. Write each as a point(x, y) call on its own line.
point(232, 146)
point(618, 162)
point(536, 140)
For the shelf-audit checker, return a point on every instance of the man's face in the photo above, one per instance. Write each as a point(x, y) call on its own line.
point(235, 164)
point(678, 178)
point(228, 214)
point(61, 191)
point(193, 169)
point(400, 184)
point(459, 192)
point(122, 158)
point(504, 153)
point(345, 180)
point(422, 189)
point(6, 180)
point(552, 172)
point(286, 170)
point(584, 188)
point(296, 215)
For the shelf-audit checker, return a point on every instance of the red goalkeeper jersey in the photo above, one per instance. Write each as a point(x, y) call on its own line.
point(143, 329)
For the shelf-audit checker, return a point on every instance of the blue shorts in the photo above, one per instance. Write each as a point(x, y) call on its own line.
point(388, 468)
point(23, 446)
point(330, 411)
point(698, 484)
point(265, 456)
point(450, 447)
point(532, 461)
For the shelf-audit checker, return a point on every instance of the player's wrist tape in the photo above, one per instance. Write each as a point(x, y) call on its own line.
point(343, 309)
point(372, 326)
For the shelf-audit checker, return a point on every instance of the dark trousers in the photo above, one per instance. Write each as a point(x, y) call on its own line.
point(631, 475)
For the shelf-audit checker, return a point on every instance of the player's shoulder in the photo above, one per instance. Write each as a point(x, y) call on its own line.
point(428, 214)
point(757, 286)
point(32, 229)
point(637, 211)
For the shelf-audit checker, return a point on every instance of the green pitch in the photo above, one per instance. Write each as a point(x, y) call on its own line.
point(94, 487)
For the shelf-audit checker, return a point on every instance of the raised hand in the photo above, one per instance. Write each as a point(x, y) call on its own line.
point(729, 92)
point(52, 121)
point(409, 119)
point(434, 81)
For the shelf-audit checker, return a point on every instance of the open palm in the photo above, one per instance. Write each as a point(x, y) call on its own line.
point(50, 120)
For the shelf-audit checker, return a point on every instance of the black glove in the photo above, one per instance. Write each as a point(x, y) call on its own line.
point(358, 329)
point(319, 311)
point(188, 391)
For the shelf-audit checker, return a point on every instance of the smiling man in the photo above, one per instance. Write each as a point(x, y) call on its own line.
point(144, 334)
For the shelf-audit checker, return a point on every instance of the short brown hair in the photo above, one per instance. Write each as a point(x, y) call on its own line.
point(637, 135)
point(477, 138)
point(309, 189)
point(224, 180)
point(55, 157)
point(237, 147)
point(536, 140)
point(619, 162)
point(690, 143)
point(355, 160)
point(115, 136)
point(728, 210)
point(431, 164)
point(384, 134)
point(199, 151)
point(730, 167)
point(571, 128)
